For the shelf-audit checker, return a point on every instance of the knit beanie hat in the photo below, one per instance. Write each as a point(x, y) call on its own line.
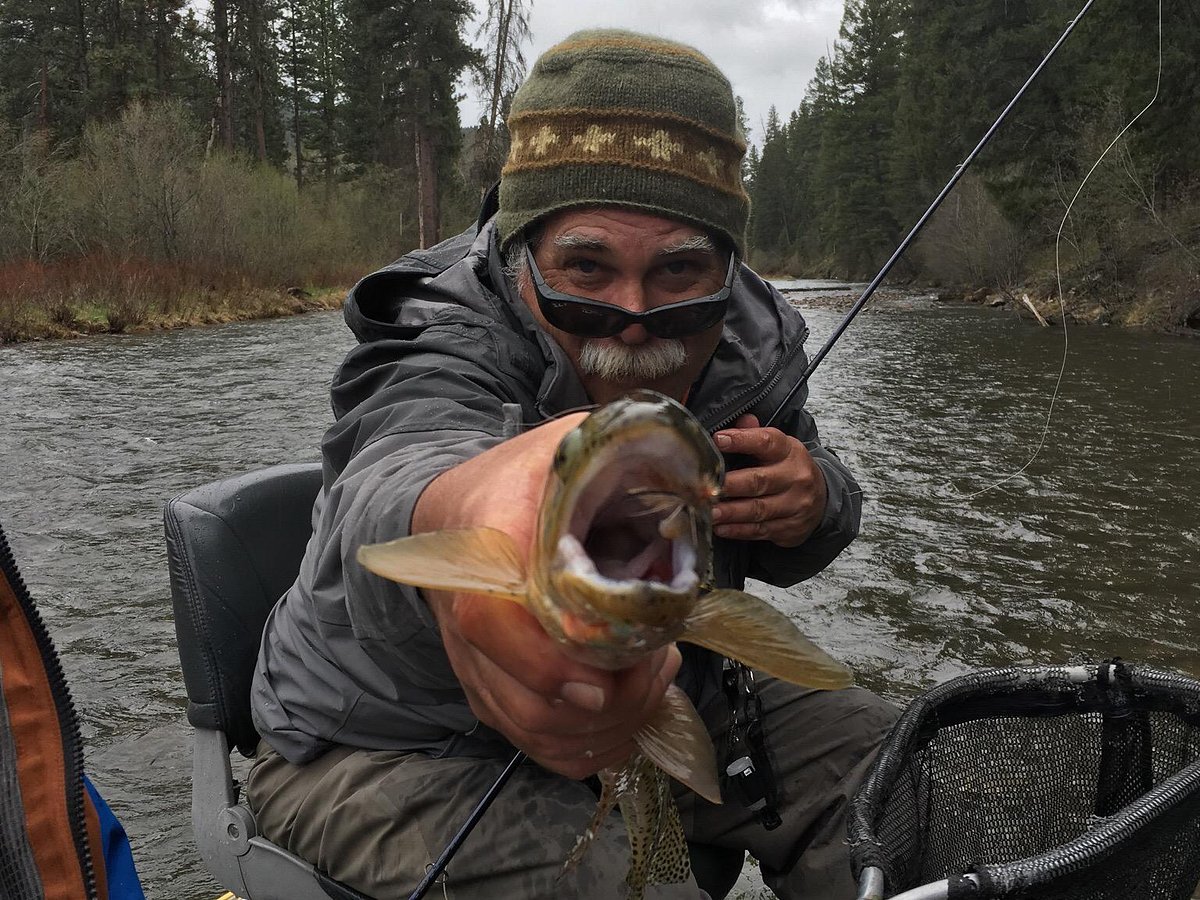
point(613, 117)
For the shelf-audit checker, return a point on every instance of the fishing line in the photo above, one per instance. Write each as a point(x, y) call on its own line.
point(1062, 306)
point(959, 171)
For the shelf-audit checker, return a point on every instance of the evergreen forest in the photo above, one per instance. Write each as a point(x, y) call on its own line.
point(164, 162)
point(906, 93)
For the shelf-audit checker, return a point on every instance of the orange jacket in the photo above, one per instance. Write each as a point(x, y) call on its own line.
point(49, 831)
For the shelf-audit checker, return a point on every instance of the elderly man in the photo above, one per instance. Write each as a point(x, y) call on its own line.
point(611, 263)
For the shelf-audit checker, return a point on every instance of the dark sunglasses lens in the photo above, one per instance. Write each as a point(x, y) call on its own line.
point(582, 320)
point(686, 320)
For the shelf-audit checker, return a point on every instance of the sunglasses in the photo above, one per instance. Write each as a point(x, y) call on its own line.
point(593, 319)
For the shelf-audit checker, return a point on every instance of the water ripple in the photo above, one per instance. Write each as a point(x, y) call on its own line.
point(1091, 552)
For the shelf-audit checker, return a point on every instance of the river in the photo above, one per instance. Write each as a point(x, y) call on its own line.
point(1086, 552)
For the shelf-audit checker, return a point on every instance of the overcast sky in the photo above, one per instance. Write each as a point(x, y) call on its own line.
point(767, 48)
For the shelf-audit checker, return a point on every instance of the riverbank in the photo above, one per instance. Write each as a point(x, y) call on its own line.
point(134, 313)
point(1174, 312)
point(1165, 312)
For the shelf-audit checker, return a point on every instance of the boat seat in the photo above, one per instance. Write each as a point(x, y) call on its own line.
point(233, 548)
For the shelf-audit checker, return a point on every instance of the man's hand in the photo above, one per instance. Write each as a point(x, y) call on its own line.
point(781, 498)
point(571, 718)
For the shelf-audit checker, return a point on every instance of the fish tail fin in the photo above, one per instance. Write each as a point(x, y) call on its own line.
point(747, 628)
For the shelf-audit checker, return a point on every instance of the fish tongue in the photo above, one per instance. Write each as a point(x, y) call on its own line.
point(653, 562)
point(625, 555)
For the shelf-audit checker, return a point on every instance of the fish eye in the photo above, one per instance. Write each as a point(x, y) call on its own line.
point(567, 448)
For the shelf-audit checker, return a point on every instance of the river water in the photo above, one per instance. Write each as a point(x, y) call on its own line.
point(1086, 552)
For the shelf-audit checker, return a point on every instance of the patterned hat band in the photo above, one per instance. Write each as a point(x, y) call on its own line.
point(671, 145)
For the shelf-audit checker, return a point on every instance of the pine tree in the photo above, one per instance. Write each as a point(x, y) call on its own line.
point(856, 136)
point(437, 55)
point(44, 77)
point(257, 79)
point(504, 31)
point(771, 231)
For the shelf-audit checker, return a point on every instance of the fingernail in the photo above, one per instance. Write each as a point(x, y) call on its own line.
point(585, 696)
point(723, 441)
point(716, 514)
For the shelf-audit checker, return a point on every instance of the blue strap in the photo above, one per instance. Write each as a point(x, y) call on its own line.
point(123, 883)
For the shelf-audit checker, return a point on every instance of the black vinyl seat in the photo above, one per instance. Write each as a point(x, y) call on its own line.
point(233, 548)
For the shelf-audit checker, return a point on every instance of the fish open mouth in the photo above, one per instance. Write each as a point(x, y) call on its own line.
point(635, 521)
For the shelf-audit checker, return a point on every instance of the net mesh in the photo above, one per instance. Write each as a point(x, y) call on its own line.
point(1079, 783)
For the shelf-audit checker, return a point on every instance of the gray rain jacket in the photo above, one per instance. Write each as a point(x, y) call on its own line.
point(444, 347)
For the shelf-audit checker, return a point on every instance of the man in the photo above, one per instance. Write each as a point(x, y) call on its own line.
point(387, 712)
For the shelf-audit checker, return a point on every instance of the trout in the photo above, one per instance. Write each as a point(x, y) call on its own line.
point(620, 563)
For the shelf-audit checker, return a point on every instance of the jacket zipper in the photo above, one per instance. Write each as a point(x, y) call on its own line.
point(68, 721)
point(779, 368)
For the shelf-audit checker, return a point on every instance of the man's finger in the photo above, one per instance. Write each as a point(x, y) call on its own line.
point(752, 510)
point(756, 481)
point(511, 636)
point(765, 444)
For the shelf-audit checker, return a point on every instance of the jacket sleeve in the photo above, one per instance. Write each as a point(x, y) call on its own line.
point(784, 566)
point(408, 409)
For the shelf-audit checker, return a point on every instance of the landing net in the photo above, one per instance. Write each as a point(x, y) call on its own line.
point(1079, 783)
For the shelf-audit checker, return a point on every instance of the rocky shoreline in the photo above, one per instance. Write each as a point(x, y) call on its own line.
point(1043, 307)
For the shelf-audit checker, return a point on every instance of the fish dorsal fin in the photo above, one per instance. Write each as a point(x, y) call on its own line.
point(478, 560)
point(749, 629)
point(678, 743)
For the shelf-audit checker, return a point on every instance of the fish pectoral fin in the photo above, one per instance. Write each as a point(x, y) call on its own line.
point(749, 629)
point(478, 560)
point(678, 743)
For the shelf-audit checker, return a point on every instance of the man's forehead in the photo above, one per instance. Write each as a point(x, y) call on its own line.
point(602, 229)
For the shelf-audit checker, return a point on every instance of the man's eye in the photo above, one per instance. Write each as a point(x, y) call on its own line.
point(584, 266)
point(678, 266)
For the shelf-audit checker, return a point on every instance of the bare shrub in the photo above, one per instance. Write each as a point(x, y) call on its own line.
point(135, 179)
point(128, 310)
point(141, 226)
point(62, 313)
point(379, 209)
point(969, 241)
point(33, 217)
point(18, 280)
point(250, 220)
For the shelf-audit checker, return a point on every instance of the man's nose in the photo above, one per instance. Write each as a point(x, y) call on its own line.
point(630, 292)
point(634, 334)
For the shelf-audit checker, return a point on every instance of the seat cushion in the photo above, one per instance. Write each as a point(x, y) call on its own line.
point(233, 548)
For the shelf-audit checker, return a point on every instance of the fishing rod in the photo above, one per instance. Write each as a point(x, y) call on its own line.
point(908, 239)
point(434, 872)
point(438, 867)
